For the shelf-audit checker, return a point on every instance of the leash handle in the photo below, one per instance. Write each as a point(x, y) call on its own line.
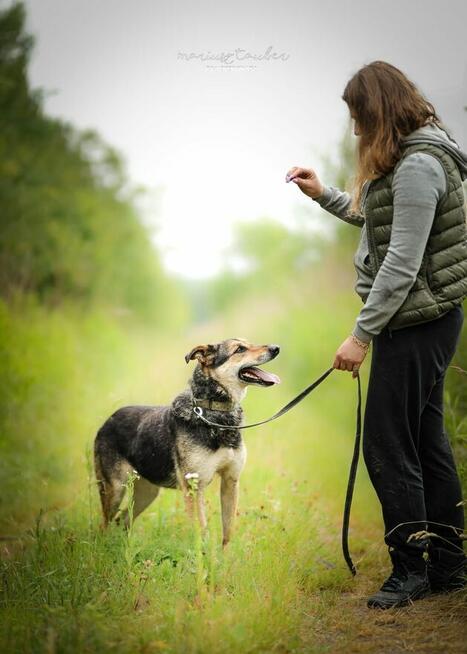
point(197, 410)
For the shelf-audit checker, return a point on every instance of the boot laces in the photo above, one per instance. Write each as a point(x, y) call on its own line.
point(395, 580)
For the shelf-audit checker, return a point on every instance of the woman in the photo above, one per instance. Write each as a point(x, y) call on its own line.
point(411, 266)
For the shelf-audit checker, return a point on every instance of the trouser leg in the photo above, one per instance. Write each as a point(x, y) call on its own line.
point(404, 371)
point(442, 487)
point(390, 438)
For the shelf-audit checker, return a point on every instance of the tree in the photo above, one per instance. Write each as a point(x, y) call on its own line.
point(69, 224)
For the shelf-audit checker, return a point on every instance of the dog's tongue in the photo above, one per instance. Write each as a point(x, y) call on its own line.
point(268, 377)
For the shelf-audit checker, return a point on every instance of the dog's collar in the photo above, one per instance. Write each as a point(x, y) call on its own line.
point(214, 405)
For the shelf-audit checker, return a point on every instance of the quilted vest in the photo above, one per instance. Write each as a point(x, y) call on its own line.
point(441, 282)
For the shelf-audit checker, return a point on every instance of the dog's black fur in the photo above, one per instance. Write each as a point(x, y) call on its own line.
point(163, 443)
point(145, 436)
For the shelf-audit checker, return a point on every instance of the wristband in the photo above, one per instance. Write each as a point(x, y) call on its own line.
point(364, 346)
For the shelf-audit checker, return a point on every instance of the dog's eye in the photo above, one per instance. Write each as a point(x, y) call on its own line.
point(240, 348)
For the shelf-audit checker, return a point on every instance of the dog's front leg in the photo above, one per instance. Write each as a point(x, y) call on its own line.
point(187, 492)
point(189, 499)
point(201, 508)
point(192, 495)
point(229, 499)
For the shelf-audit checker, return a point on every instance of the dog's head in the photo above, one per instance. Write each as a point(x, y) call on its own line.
point(234, 363)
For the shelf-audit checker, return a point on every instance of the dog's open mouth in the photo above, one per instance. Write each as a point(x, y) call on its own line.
point(254, 375)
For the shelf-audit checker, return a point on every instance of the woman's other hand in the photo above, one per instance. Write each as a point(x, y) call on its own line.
point(349, 356)
point(307, 181)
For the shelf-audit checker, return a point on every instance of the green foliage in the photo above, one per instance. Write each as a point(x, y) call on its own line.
point(69, 226)
point(67, 587)
point(71, 248)
point(264, 254)
point(456, 406)
point(73, 591)
point(62, 373)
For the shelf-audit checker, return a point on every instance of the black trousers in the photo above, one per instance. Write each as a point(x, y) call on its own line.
point(405, 446)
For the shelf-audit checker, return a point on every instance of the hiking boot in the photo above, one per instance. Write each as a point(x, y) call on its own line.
point(447, 570)
point(407, 582)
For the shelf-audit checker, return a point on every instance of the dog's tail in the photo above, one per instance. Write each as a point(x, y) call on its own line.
point(102, 482)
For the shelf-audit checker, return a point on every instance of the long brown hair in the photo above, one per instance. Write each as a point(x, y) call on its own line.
point(386, 107)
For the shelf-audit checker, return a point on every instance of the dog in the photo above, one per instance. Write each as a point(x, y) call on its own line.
point(169, 446)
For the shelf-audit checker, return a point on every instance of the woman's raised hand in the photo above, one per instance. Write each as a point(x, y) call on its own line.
point(307, 181)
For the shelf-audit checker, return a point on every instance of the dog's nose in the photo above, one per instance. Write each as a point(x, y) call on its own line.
point(274, 350)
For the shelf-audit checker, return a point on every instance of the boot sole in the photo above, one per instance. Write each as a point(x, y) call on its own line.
point(380, 604)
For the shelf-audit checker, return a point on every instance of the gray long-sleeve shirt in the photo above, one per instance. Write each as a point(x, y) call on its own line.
point(417, 186)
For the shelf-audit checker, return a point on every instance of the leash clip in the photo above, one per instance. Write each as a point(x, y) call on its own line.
point(197, 410)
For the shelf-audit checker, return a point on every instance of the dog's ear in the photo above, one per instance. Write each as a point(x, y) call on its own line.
point(205, 354)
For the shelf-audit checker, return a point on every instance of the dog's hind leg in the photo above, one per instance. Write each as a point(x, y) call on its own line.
point(143, 494)
point(112, 486)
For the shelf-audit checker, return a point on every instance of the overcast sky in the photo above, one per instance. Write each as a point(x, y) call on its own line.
point(216, 137)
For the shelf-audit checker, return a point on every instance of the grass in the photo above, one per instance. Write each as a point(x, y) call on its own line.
point(281, 585)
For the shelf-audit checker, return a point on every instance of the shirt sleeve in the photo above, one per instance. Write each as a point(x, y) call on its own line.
point(417, 187)
point(338, 203)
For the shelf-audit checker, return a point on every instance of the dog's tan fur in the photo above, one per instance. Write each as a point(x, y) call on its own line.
point(222, 364)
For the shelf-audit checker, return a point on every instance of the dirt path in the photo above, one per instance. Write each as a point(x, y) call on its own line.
point(432, 625)
point(435, 624)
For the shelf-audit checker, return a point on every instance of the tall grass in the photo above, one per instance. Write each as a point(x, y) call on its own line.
point(69, 587)
point(62, 373)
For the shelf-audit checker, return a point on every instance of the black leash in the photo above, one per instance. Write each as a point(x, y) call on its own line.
point(353, 466)
point(199, 411)
point(351, 484)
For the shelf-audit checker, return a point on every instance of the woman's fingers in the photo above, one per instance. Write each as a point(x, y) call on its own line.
point(297, 172)
point(291, 174)
point(349, 357)
point(337, 363)
point(345, 364)
point(307, 181)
